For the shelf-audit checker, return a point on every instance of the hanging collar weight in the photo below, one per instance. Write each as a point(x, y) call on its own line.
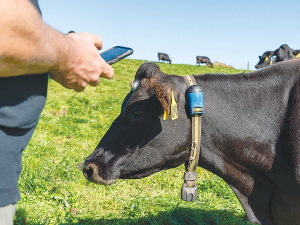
point(196, 109)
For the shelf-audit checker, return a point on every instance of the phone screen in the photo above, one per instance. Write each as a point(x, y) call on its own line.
point(113, 53)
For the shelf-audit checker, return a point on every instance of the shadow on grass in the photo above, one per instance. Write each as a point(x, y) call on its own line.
point(178, 216)
point(20, 216)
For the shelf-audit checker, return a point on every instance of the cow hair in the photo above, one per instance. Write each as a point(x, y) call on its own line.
point(161, 90)
point(147, 70)
point(268, 54)
point(147, 76)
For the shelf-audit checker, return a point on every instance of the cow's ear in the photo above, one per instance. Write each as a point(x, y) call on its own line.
point(163, 94)
point(161, 90)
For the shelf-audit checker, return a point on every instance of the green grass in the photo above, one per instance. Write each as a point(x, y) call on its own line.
point(54, 191)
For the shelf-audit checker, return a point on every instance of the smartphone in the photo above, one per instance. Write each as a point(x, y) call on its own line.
point(115, 54)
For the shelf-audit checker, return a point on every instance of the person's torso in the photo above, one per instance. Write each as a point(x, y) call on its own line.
point(22, 98)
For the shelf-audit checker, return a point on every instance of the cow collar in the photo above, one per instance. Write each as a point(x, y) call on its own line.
point(195, 98)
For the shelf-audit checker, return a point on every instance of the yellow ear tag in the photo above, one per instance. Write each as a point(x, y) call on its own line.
point(267, 58)
point(166, 115)
point(297, 56)
point(174, 110)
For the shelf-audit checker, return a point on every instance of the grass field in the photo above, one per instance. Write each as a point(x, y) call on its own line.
point(54, 191)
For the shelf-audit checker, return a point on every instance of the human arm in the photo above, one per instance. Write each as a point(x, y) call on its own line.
point(29, 46)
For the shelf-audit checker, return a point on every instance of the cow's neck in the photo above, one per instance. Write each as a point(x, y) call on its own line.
point(241, 115)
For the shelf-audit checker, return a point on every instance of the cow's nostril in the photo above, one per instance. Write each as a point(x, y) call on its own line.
point(88, 172)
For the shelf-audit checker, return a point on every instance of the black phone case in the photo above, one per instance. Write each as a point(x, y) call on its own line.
point(119, 57)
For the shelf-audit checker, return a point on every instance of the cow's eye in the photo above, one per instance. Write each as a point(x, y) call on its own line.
point(137, 113)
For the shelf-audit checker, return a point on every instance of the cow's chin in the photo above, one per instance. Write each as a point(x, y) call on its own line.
point(100, 180)
point(139, 174)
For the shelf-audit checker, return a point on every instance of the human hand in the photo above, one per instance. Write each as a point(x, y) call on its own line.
point(79, 62)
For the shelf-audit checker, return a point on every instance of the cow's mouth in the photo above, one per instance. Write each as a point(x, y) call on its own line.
point(91, 173)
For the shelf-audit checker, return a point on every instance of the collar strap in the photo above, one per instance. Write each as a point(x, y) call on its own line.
point(189, 188)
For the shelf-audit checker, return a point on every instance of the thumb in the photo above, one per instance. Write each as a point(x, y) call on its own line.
point(107, 70)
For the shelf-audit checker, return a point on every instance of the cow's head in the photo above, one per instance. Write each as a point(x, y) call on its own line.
point(140, 142)
point(265, 60)
point(283, 53)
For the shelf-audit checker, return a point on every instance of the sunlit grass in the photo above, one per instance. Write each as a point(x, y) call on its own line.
point(54, 191)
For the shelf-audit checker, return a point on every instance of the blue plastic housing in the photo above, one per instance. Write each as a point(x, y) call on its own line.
point(195, 99)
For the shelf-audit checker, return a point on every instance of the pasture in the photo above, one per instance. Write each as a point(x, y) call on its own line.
point(54, 191)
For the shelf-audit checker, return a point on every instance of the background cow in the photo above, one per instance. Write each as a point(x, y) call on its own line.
point(203, 59)
point(250, 136)
point(265, 60)
point(164, 57)
point(283, 53)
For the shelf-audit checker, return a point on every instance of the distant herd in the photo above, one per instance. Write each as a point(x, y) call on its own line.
point(199, 59)
point(283, 53)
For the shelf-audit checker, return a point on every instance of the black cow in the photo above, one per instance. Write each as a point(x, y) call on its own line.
point(283, 53)
point(250, 136)
point(164, 57)
point(265, 60)
point(203, 59)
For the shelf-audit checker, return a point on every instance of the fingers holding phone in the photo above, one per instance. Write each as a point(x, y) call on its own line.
point(79, 63)
point(114, 55)
point(106, 72)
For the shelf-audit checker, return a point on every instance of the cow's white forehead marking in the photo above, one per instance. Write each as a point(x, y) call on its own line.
point(135, 84)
